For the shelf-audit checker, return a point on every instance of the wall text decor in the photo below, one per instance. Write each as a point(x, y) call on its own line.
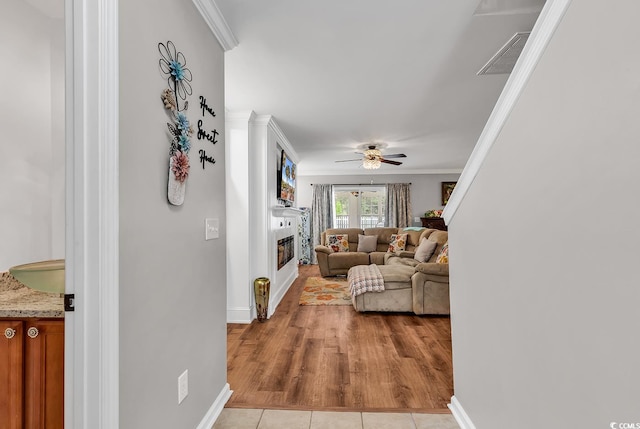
point(174, 65)
point(205, 134)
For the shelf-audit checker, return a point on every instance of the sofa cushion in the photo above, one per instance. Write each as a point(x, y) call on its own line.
point(424, 250)
point(377, 258)
point(345, 260)
point(338, 242)
point(397, 243)
point(396, 276)
point(367, 243)
point(443, 257)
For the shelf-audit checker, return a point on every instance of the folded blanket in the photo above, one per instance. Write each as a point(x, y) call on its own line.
point(365, 278)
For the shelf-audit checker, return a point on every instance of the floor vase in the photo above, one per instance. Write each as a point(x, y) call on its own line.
point(261, 287)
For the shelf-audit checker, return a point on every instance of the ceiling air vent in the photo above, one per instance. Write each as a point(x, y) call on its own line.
point(504, 60)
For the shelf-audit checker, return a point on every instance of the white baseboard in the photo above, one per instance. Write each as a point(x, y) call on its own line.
point(460, 415)
point(277, 295)
point(240, 314)
point(216, 408)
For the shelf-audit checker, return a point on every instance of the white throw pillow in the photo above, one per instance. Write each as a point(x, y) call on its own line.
point(367, 243)
point(424, 250)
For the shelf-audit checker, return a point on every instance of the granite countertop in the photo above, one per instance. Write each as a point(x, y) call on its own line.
point(18, 300)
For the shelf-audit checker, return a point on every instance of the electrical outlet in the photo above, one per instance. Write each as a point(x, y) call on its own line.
point(416, 219)
point(183, 386)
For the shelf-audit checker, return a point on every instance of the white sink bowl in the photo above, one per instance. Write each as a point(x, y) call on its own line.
point(45, 276)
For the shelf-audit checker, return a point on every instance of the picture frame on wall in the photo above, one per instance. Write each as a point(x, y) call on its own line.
point(447, 189)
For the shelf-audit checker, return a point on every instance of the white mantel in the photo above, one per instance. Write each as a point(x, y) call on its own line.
point(254, 218)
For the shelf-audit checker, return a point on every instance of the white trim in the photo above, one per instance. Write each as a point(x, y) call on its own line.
point(460, 415)
point(391, 170)
point(216, 22)
point(216, 408)
point(542, 32)
point(240, 314)
point(92, 218)
point(278, 295)
point(269, 121)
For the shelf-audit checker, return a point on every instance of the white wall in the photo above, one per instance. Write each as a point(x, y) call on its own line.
point(32, 123)
point(256, 143)
point(172, 281)
point(544, 247)
point(425, 188)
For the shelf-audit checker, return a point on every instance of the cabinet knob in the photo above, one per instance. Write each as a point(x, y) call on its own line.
point(33, 332)
point(9, 333)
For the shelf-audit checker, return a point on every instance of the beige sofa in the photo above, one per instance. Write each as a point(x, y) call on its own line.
point(338, 263)
point(410, 286)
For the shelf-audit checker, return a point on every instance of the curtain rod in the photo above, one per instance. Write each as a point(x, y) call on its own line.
point(354, 184)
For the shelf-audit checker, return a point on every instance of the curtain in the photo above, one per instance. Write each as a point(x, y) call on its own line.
point(321, 215)
point(398, 205)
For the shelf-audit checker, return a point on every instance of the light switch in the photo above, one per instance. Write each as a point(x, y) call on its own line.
point(211, 228)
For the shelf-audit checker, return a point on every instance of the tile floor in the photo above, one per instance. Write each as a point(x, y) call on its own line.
point(239, 418)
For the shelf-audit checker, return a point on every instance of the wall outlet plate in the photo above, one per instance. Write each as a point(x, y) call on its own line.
point(211, 228)
point(183, 386)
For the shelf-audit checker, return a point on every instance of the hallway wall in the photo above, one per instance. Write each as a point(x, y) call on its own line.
point(544, 247)
point(172, 281)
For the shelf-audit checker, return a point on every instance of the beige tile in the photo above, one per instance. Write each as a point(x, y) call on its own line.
point(387, 421)
point(281, 419)
point(435, 421)
point(335, 420)
point(238, 418)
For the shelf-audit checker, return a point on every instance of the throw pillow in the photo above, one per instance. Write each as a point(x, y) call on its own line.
point(425, 250)
point(398, 243)
point(367, 243)
point(338, 242)
point(443, 257)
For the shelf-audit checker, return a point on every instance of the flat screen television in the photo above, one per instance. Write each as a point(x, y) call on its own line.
point(287, 180)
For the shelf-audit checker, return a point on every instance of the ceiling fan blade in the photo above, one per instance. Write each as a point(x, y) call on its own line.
point(396, 155)
point(386, 161)
point(349, 160)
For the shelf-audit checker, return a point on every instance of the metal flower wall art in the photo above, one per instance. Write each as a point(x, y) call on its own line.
point(174, 65)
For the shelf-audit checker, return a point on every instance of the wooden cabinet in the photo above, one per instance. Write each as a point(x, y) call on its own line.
point(32, 373)
point(433, 222)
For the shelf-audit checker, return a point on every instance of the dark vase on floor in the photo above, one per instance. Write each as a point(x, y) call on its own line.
point(261, 287)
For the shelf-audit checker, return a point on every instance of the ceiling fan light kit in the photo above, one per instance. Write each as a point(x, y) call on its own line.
point(373, 159)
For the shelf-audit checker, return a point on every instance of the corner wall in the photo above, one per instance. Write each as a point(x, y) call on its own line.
point(32, 152)
point(172, 281)
point(544, 296)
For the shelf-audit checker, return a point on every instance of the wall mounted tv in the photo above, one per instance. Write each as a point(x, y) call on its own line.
point(287, 180)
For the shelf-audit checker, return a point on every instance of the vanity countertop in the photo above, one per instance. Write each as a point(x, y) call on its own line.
point(18, 300)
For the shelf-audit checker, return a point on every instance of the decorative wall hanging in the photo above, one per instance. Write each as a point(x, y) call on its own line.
point(174, 65)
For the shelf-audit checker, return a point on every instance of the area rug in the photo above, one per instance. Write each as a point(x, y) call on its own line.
point(325, 291)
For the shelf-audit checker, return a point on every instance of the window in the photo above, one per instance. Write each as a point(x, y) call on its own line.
point(358, 206)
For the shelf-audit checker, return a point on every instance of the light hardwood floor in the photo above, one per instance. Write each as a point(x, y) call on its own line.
point(333, 358)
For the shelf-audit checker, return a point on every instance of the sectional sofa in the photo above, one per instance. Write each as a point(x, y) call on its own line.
point(410, 285)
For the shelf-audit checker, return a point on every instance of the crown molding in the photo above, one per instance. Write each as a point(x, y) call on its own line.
point(216, 22)
point(378, 172)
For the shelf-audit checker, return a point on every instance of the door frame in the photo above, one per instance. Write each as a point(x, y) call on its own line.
point(92, 214)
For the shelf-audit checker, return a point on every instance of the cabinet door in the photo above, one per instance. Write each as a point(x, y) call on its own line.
point(44, 375)
point(11, 371)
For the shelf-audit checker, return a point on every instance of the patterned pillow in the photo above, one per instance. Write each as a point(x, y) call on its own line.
point(338, 242)
point(398, 243)
point(443, 257)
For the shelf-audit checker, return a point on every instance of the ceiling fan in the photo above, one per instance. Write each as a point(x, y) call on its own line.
point(372, 158)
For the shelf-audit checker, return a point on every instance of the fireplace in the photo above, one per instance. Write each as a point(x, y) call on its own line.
point(286, 252)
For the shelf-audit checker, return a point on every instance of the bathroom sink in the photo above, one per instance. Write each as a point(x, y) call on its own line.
point(45, 276)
